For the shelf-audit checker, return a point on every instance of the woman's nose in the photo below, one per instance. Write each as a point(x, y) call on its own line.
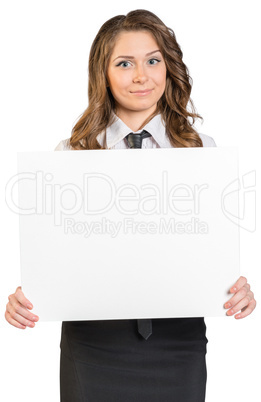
point(140, 74)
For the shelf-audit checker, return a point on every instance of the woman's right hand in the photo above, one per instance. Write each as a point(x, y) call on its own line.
point(17, 313)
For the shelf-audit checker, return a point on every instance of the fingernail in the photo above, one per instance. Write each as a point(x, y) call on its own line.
point(29, 305)
point(35, 318)
point(32, 324)
point(227, 305)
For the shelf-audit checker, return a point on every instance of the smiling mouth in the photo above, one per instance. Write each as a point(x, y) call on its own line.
point(144, 92)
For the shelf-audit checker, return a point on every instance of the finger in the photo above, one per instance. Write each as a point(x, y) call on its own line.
point(246, 286)
point(236, 298)
point(238, 285)
point(13, 322)
point(22, 299)
point(239, 306)
point(16, 308)
point(247, 311)
point(18, 317)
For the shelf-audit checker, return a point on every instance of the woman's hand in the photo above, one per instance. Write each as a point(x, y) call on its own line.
point(17, 313)
point(243, 299)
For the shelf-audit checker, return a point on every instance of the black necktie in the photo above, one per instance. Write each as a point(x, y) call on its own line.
point(135, 141)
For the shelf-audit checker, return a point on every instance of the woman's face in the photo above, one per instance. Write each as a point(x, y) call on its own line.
point(136, 73)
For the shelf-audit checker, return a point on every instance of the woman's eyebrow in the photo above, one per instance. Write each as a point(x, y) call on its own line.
point(131, 57)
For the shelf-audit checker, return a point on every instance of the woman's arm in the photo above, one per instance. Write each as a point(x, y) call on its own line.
point(243, 298)
point(17, 309)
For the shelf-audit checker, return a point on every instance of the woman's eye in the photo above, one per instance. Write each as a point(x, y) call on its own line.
point(154, 61)
point(123, 64)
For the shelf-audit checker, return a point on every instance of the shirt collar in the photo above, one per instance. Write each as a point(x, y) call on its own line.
point(156, 127)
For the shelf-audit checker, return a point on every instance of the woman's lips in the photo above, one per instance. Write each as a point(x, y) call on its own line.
point(142, 93)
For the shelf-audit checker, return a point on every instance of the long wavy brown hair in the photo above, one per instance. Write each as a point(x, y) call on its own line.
point(173, 105)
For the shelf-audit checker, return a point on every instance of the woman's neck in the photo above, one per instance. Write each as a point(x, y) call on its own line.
point(133, 119)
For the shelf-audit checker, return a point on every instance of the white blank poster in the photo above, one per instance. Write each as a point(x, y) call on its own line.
point(123, 234)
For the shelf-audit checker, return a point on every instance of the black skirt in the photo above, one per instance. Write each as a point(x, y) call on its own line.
point(108, 361)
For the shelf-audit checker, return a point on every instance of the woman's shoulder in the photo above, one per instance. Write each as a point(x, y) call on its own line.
point(64, 145)
point(207, 140)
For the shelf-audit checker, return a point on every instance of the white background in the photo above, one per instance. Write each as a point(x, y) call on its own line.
point(44, 52)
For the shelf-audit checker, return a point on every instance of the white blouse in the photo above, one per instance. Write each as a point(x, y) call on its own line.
point(114, 136)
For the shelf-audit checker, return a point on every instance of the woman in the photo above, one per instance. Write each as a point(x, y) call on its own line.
point(137, 81)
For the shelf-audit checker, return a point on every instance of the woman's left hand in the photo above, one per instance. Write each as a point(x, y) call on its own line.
point(243, 299)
